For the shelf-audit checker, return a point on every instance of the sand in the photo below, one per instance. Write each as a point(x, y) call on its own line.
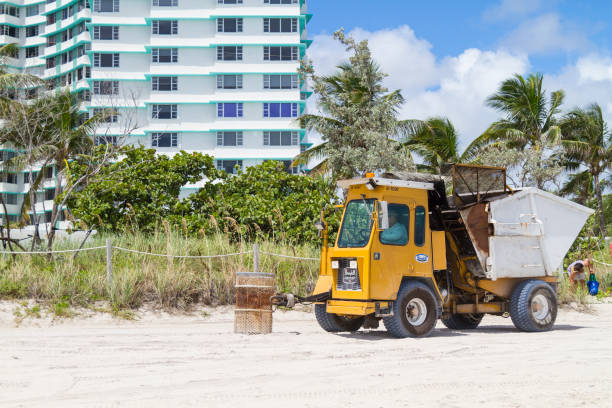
point(196, 360)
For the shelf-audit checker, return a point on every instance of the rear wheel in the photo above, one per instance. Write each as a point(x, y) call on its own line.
point(334, 323)
point(533, 306)
point(415, 311)
point(463, 321)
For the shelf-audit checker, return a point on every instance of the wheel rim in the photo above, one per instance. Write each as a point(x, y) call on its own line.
point(416, 312)
point(540, 307)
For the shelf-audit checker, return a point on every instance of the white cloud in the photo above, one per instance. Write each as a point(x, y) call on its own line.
point(511, 8)
point(455, 87)
point(545, 34)
point(587, 81)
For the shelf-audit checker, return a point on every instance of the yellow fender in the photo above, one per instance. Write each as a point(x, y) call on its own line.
point(324, 284)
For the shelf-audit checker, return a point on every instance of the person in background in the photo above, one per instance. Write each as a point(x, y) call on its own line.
point(577, 273)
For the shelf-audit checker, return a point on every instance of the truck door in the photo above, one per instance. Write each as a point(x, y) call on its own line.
point(391, 252)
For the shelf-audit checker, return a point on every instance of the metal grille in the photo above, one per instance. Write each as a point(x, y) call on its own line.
point(348, 278)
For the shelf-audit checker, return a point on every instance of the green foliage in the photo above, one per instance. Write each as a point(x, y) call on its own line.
point(529, 131)
point(263, 201)
point(358, 119)
point(436, 142)
point(137, 192)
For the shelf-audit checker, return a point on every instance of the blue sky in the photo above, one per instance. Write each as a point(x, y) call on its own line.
point(457, 52)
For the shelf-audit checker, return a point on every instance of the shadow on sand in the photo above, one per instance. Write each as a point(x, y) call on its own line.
point(381, 334)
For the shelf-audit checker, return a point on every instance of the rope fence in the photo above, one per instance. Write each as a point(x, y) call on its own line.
point(601, 263)
point(110, 248)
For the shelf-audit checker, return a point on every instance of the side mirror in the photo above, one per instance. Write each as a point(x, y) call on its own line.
point(382, 209)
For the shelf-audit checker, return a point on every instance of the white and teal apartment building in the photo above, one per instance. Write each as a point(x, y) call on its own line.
point(213, 76)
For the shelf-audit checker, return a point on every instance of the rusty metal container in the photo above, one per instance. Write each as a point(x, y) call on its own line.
point(253, 311)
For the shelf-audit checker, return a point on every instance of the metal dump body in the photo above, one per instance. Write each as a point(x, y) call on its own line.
point(530, 233)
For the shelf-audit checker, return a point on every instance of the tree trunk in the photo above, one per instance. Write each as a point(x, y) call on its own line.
point(602, 219)
point(55, 210)
point(8, 227)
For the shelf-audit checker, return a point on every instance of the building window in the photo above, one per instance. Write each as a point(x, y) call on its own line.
point(10, 178)
point(280, 110)
point(165, 3)
point(280, 138)
point(280, 53)
point(106, 60)
point(280, 25)
point(165, 83)
point(10, 10)
point(31, 52)
point(105, 140)
point(106, 87)
point(229, 110)
point(32, 10)
point(164, 55)
point(229, 25)
point(109, 115)
point(106, 6)
point(229, 53)
point(289, 168)
point(229, 81)
point(106, 32)
point(280, 81)
point(10, 199)
point(165, 111)
point(230, 1)
point(280, 1)
point(229, 138)
point(9, 31)
point(31, 31)
point(164, 139)
point(229, 166)
point(165, 27)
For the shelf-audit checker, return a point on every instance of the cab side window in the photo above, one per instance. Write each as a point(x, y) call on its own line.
point(419, 226)
point(399, 225)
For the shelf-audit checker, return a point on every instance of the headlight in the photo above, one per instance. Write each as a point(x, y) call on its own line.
point(353, 265)
point(335, 265)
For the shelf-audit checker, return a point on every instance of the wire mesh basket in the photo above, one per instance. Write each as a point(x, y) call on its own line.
point(253, 311)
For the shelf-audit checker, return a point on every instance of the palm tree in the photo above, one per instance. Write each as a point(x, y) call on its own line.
point(73, 136)
point(530, 116)
point(436, 141)
point(10, 84)
point(587, 141)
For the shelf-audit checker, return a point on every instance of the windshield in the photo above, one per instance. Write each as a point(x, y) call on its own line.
point(357, 224)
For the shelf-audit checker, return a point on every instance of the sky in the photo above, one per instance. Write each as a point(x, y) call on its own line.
point(447, 56)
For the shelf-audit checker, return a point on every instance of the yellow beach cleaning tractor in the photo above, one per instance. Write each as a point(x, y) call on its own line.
point(409, 255)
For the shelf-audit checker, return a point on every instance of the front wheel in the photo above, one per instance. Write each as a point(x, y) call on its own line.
point(334, 323)
point(533, 306)
point(415, 312)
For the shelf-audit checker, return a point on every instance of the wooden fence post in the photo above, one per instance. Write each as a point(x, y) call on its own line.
point(255, 258)
point(109, 265)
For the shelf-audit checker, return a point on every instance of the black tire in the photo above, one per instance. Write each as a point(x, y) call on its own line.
point(411, 297)
point(533, 306)
point(333, 323)
point(463, 321)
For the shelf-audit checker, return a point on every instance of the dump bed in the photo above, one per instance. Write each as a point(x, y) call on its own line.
point(513, 234)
